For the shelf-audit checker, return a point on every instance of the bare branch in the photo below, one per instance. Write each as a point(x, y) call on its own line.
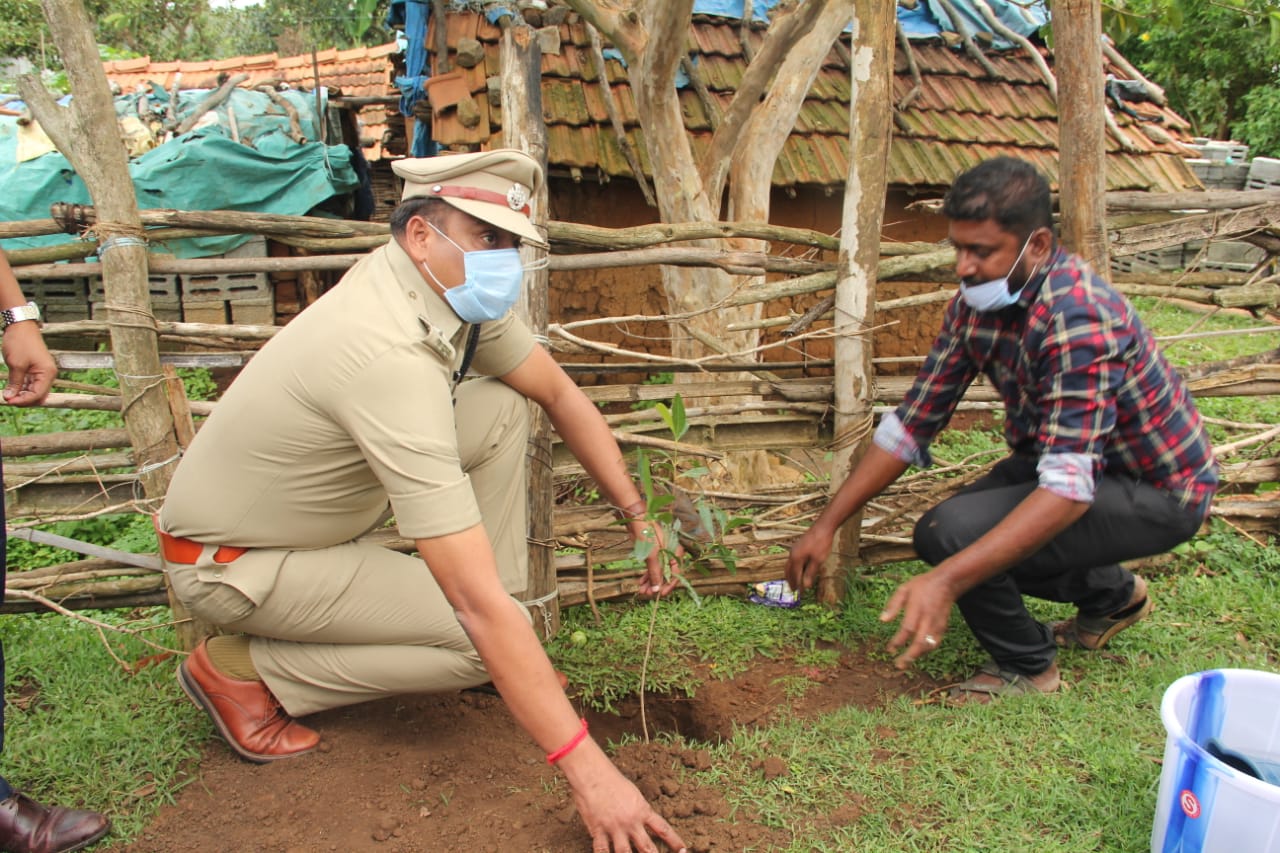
point(617, 22)
point(966, 40)
point(101, 626)
point(1021, 41)
point(54, 120)
point(783, 33)
point(769, 127)
point(917, 80)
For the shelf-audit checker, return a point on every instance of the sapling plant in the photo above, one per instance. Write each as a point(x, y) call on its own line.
point(692, 528)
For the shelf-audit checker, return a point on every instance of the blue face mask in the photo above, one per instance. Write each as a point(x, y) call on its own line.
point(994, 295)
point(490, 285)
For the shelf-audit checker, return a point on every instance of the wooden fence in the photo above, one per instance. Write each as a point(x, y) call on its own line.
point(76, 475)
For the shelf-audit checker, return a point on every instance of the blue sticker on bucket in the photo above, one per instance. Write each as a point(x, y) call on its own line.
point(1195, 787)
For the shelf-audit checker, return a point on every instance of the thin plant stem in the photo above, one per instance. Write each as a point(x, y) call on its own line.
point(644, 667)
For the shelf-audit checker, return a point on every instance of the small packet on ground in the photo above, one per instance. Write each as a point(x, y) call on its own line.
point(774, 594)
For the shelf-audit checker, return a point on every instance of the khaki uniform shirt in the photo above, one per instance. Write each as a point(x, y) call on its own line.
point(348, 408)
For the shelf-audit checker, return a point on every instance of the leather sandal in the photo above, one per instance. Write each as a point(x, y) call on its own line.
point(1094, 632)
point(1010, 684)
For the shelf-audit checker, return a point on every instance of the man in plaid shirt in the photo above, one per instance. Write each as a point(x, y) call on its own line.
point(1109, 459)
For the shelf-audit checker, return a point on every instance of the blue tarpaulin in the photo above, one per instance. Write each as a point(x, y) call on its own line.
point(204, 169)
point(412, 17)
point(927, 20)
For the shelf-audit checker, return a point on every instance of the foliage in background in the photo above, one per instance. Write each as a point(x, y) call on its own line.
point(293, 27)
point(1217, 60)
point(163, 29)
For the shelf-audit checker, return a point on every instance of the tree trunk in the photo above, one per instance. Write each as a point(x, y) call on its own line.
point(1077, 31)
point(86, 132)
point(523, 128)
point(766, 132)
point(870, 105)
point(653, 37)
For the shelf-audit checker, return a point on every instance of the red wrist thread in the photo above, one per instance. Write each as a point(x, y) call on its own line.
point(553, 757)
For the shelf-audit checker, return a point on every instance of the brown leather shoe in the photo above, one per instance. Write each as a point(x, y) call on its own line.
point(28, 827)
point(245, 712)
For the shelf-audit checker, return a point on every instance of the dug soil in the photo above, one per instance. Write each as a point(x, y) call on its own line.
point(454, 772)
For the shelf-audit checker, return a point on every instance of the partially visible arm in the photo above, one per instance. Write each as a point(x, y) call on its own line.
point(928, 405)
point(584, 431)
point(873, 473)
point(612, 808)
point(31, 367)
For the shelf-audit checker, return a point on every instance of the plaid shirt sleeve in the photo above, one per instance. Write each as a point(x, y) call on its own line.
point(892, 437)
point(1081, 373)
point(938, 387)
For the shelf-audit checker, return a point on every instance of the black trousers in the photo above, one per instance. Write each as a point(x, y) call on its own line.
point(1128, 519)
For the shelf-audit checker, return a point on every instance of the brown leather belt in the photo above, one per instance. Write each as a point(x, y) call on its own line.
point(176, 549)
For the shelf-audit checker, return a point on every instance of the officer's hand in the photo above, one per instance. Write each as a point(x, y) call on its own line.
point(662, 565)
point(619, 819)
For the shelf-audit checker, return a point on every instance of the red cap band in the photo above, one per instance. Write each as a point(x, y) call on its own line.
point(488, 196)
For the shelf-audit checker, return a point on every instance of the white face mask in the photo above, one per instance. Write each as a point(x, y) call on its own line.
point(491, 283)
point(994, 295)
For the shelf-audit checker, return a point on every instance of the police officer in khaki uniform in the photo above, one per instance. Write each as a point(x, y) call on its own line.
point(356, 410)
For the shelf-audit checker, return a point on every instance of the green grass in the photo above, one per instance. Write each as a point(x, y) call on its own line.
point(1073, 772)
point(724, 634)
point(80, 730)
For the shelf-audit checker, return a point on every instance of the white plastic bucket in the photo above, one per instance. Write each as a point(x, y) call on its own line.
point(1205, 804)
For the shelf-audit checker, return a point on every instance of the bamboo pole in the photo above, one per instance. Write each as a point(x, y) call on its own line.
point(523, 128)
point(1077, 30)
point(854, 305)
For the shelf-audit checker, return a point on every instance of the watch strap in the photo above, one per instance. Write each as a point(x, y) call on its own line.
point(9, 316)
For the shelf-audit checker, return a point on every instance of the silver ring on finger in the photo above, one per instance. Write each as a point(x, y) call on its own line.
point(930, 640)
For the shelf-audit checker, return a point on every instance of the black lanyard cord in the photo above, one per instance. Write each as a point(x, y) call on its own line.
point(473, 340)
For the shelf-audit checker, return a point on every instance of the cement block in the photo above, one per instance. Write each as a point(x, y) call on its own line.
point(206, 312)
point(259, 312)
point(225, 287)
point(1264, 170)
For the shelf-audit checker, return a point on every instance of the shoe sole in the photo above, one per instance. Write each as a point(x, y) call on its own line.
point(1128, 622)
point(1067, 632)
point(192, 688)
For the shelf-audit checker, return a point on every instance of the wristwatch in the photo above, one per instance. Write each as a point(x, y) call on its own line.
point(9, 316)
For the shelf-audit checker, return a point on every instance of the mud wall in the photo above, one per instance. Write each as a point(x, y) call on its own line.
point(638, 290)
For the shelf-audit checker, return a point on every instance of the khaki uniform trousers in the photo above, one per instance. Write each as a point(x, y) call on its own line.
point(356, 622)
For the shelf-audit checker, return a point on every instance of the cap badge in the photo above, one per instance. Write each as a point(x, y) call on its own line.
point(517, 196)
